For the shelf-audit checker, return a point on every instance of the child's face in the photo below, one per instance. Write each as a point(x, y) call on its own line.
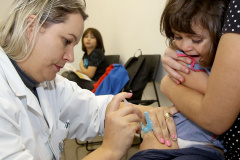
point(89, 41)
point(195, 45)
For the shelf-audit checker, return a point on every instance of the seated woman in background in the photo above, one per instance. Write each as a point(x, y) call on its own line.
point(93, 63)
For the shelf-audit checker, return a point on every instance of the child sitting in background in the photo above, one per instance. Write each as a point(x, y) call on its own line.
point(93, 62)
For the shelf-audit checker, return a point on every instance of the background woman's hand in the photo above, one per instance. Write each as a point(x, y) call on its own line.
point(121, 124)
point(171, 65)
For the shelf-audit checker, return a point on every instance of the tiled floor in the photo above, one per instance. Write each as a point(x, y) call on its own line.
point(74, 151)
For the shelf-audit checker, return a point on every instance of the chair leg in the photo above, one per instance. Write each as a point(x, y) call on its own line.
point(155, 88)
point(87, 144)
point(90, 150)
point(92, 143)
point(99, 142)
point(81, 144)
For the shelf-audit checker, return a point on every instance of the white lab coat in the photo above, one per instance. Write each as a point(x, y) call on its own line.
point(32, 131)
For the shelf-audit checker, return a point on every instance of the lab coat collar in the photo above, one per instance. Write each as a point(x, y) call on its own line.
point(12, 75)
point(16, 83)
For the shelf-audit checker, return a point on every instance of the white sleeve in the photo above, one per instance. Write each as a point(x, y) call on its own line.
point(84, 110)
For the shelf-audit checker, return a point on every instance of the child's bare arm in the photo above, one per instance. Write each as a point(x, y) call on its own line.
point(90, 71)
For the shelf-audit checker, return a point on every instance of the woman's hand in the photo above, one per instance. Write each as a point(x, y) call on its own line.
point(121, 124)
point(164, 128)
point(150, 142)
point(171, 65)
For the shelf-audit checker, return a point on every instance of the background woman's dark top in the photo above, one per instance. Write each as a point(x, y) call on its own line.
point(96, 59)
point(232, 136)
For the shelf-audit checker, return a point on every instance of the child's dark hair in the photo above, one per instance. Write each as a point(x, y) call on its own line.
point(180, 15)
point(98, 37)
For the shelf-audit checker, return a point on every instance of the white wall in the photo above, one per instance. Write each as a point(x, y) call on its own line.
point(126, 25)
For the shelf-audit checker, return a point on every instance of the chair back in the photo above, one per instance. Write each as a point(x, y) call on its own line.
point(153, 61)
point(110, 59)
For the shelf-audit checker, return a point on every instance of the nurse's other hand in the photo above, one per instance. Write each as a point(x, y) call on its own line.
point(164, 128)
point(171, 65)
point(121, 124)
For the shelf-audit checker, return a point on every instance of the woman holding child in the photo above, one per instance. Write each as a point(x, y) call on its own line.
point(218, 109)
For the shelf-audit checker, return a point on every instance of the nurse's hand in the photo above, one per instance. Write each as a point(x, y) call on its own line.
point(164, 127)
point(121, 124)
point(171, 65)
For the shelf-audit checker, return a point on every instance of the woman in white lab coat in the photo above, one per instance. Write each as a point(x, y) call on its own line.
point(38, 108)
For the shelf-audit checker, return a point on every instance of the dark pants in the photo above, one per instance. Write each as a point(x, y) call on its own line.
point(85, 84)
point(191, 153)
